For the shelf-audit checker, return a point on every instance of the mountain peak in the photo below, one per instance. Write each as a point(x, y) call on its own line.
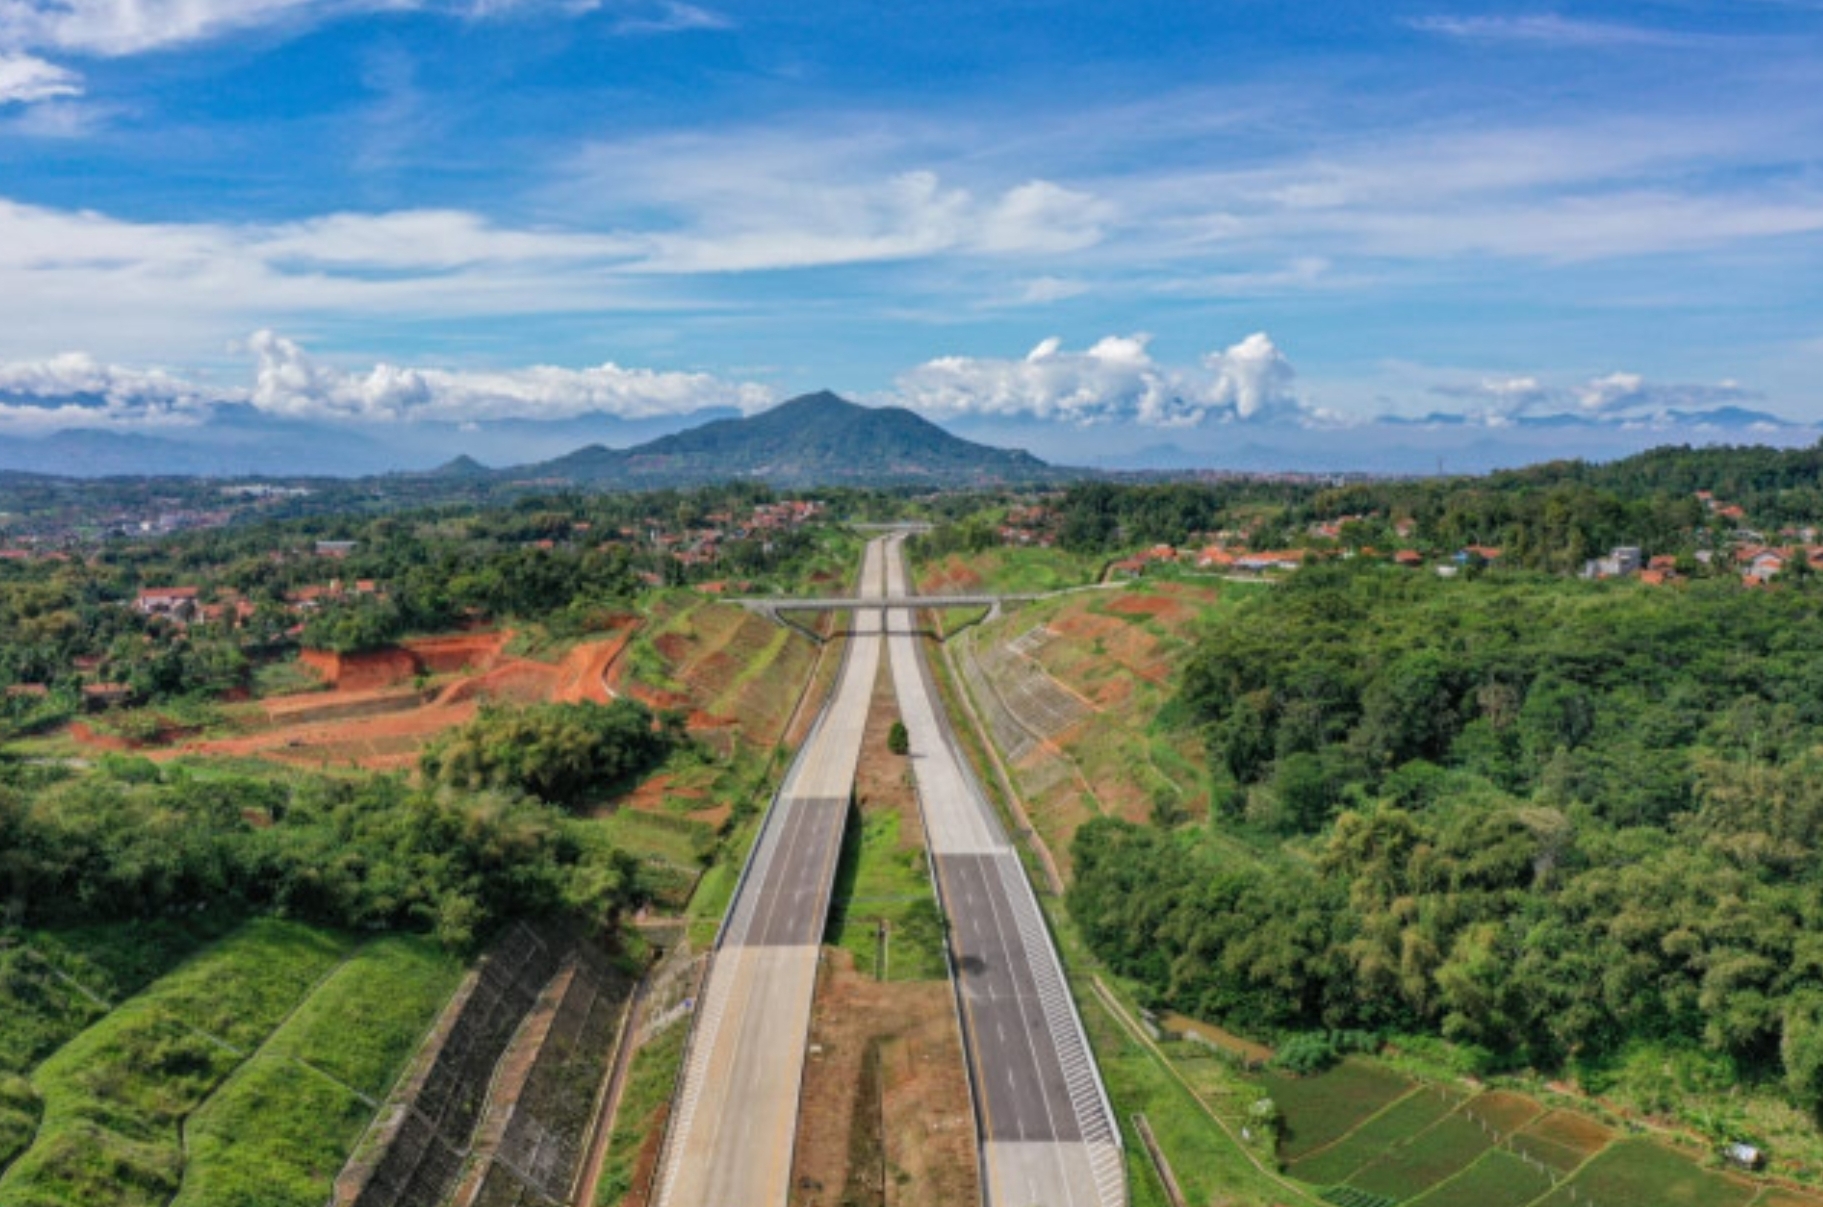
point(813, 439)
point(464, 466)
point(820, 400)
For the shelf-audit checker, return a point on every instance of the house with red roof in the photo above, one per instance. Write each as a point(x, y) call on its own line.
point(166, 601)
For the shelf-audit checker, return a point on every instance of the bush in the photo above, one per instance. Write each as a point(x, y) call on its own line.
point(897, 739)
point(1311, 1052)
point(561, 753)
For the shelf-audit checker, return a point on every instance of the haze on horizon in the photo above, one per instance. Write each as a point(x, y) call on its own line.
point(1356, 235)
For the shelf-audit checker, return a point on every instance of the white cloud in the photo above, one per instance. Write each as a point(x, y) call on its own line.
point(422, 239)
point(76, 390)
point(26, 80)
point(125, 27)
point(289, 382)
point(1550, 29)
point(116, 28)
point(752, 199)
point(809, 223)
point(1116, 380)
point(670, 16)
point(1041, 290)
point(1253, 377)
point(1618, 396)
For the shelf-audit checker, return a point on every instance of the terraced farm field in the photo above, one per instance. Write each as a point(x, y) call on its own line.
point(146, 1098)
point(1363, 1134)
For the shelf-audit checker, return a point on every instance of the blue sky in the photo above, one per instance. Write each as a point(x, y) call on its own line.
point(1095, 229)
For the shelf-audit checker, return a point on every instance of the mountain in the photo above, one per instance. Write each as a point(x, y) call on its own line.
point(816, 439)
point(463, 466)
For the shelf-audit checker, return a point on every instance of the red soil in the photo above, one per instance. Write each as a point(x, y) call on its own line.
point(398, 664)
point(1141, 605)
point(385, 728)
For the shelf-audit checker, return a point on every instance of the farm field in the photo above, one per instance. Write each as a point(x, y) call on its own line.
point(1497, 1179)
point(1319, 1111)
point(1433, 1146)
point(1643, 1173)
point(149, 1102)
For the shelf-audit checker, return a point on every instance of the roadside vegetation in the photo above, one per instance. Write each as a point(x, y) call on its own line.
point(643, 1108)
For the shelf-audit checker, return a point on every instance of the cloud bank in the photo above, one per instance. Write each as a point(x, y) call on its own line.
point(77, 391)
point(1115, 380)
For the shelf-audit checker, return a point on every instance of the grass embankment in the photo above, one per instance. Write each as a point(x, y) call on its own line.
point(243, 1076)
point(116, 1096)
point(650, 1080)
point(55, 983)
point(280, 1128)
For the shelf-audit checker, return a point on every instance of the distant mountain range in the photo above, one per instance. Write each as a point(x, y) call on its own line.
point(814, 440)
point(820, 439)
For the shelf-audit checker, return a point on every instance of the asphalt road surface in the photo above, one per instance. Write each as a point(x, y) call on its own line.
point(1048, 1135)
point(730, 1141)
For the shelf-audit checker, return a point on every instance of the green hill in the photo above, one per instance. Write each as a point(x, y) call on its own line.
point(814, 439)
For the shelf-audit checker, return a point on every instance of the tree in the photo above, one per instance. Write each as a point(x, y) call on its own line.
point(898, 740)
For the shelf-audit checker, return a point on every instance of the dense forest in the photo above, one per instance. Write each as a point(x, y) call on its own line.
point(129, 839)
point(1543, 819)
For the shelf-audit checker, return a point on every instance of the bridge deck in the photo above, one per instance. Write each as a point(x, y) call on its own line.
point(788, 603)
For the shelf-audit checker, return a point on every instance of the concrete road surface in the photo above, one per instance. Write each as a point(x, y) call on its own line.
point(730, 1140)
point(1048, 1135)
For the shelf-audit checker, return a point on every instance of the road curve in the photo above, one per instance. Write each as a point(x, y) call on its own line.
point(1048, 1137)
point(733, 1122)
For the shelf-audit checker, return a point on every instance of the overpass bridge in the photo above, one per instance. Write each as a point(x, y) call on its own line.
point(771, 607)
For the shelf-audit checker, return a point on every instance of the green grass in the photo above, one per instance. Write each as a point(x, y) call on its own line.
point(879, 880)
point(115, 1095)
point(650, 1081)
point(1644, 1173)
point(1209, 1165)
point(663, 837)
point(43, 1006)
point(1018, 568)
point(279, 1129)
point(1498, 1179)
point(275, 1135)
point(1319, 1110)
point(287, 678)
point(365, 1021)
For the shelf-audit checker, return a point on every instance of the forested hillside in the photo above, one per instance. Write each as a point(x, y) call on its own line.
point(1543, 819)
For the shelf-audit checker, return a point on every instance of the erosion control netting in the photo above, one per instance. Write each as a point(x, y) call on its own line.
point(424, 1155)
point(548, 1128)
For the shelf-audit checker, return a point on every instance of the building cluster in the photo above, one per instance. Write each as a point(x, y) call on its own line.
point(697, 545)
point(185, 606)
point(1034, 526)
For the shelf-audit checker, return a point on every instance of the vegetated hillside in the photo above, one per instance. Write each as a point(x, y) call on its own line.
point(1555, 822)
point(816, 439)
point(1763, 480)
